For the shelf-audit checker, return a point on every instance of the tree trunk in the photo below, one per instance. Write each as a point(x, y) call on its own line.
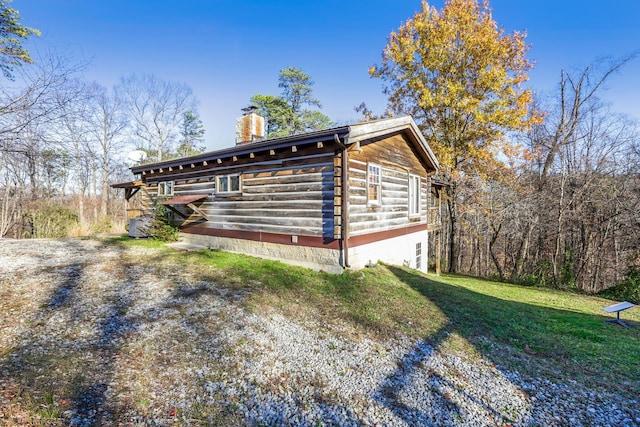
point(105, 184)
point(105, 190)
point(32, 165)
point(453, 230)
point(80, 183)
point(492, 242)
point(523, 248)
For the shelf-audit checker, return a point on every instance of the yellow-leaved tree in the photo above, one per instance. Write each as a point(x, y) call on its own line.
point(461, 78)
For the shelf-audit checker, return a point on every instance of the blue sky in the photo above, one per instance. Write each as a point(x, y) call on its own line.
point(229, 50)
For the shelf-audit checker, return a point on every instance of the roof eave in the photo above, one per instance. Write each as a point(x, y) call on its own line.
point(239, 150)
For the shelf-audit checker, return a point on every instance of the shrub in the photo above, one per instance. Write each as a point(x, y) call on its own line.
point(527, 280)
point(49, 222)
point(539, 275)
point(161, 227)
point(103, 225)
point(627, 290)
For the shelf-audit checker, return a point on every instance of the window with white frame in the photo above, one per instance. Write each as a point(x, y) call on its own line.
point(414, 196)
point(418, 256)
point(165, 188)
point(228, 184)
point(374, 180)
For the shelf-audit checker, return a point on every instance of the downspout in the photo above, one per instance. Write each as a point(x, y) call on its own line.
point(344, 207)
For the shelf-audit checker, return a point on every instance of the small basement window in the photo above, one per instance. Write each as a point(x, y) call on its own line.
point(228, 184)
point(165, 188)
point(374, 179)
point(418, 256)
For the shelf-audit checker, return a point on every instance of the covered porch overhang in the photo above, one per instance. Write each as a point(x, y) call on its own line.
point(188, 201)
point(130, 188)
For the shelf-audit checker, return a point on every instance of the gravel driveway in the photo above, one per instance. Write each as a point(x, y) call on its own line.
point(92, 333)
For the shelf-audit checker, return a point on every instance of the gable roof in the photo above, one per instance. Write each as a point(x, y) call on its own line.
point(384, 127)
point(350, 135)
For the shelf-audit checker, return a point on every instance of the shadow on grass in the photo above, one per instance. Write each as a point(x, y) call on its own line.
point(537, 342)
point(562, 343)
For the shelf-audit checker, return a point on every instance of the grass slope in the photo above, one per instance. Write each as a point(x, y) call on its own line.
point(538, 332)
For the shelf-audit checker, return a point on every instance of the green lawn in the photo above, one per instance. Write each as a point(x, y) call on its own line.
point(539, 332)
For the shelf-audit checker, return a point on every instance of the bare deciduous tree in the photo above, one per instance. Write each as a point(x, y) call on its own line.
point(156, 108)
point(568, 218)
point(31, 109)
point(108, 122)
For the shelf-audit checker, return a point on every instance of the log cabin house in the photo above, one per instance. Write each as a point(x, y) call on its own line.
point(333, 199)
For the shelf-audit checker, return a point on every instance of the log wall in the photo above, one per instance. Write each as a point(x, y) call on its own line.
point(397, 161)
point(293, 197)
point(299, 192)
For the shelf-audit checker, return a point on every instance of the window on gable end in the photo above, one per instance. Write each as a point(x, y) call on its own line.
point(414, 196)
point(374, 181)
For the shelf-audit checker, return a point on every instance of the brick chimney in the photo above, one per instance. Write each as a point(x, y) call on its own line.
point(249, 127)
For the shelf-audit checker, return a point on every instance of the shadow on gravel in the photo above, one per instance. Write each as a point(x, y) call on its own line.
point(440, 407)
point(542, 341)
point(69, 361)
point(64, 293)
point(57, 368)
point(81, 360)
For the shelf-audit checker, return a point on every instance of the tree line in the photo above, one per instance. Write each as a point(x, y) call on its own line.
point(61, 136)
point(61, 139)
point(540, 191)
